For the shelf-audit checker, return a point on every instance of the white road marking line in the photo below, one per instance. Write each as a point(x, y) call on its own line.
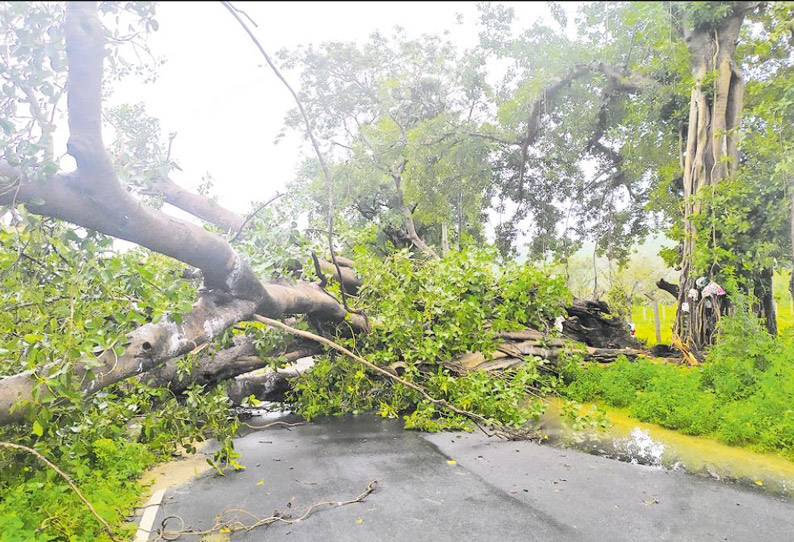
point(149, 515)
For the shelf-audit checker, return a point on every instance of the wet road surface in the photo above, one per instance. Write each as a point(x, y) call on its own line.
point(454, 487)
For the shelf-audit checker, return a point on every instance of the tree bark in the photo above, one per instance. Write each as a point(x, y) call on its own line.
point(270, 386)
point(591, 323)
point(711, 155)
point(352, 282)
point(409, 220)
point(223, 365)
point(94, 198)
point(197, 205)
point(146, 348)
point(668, 287)
point(766, 300)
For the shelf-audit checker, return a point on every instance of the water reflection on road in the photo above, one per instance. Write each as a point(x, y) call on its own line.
point(648, 444)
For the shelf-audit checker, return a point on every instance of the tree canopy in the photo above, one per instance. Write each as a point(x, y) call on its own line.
point(429, 231)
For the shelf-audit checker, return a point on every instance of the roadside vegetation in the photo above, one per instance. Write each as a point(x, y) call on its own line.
point(742, 395)
point(445, 226)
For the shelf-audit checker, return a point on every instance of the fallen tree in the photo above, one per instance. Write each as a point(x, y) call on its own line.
point(93, 197)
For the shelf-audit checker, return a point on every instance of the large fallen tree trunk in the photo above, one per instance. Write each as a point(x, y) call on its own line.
point(591, 323)
point(147, 347)
point(153, 344)
point(269, 385)
point(93, 197)
point(510, 355)
point(212, 368)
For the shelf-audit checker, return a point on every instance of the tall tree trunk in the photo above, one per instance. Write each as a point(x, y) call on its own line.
point(711, 155)
point(410, 228)
point(766, 299)
point(444, 239)
point(791, 199)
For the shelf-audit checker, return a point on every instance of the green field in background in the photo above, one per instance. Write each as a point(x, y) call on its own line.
point(644, 323)
point(645, 330)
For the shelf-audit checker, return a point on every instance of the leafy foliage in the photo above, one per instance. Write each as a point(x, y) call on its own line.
point(428, 314)
point(68, 296)
point(397, 107)
point(411, 123)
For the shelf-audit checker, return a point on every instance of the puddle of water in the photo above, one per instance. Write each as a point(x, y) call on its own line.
point(649, 444)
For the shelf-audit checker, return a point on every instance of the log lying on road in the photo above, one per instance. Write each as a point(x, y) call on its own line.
point(510, 355)
point(267, 385)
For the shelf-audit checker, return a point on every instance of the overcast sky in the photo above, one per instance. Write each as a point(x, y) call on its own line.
point(227, 109)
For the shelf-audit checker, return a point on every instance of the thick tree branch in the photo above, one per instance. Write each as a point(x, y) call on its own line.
point(211, 212)
point(536, 108)
point(624, 80)
point(349, 278)
point(146, 348)
point(85, 48)
point(241, 358)
point(310, 133)
point(407, 215)
point(64, 197)
point(621, 80)
point(93, 197)
point(198, 205)
point(668, 287)
point(153, 344)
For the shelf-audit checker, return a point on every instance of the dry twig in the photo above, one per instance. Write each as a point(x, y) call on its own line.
point(234, 525)
point(272, 424)
point(310, 133)
point(252, 214)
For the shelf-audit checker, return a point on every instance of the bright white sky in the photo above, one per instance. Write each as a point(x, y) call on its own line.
point(227, 109)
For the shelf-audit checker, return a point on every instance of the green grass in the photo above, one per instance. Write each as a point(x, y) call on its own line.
point(742, 396)
point(645, 326)
point(785, 316)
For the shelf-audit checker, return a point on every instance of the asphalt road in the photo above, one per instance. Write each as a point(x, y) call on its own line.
point(450, 487)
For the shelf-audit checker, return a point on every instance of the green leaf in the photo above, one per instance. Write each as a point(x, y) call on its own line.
point(38, 430)
point(31, 338)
